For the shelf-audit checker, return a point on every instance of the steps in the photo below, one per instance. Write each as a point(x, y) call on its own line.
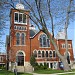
point(26, 68)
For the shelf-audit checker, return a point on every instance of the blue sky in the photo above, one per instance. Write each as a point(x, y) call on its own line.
point(71, 35)
point(74, 40)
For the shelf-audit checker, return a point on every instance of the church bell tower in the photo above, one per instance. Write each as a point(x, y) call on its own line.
point(19, 36)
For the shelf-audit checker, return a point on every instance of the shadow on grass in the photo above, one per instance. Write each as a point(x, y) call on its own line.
point(5, 72)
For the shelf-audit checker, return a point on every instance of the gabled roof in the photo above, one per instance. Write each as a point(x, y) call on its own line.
point(33, 33)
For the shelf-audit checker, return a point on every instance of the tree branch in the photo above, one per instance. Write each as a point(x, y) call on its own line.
point(66, 26)
point(48, 2)
point(30, 7)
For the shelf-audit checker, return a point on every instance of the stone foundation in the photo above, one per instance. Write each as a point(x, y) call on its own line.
point(26, 68)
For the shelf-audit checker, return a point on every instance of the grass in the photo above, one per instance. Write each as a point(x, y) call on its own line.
point(24, 74)
point(5, 72)
point(48, 71)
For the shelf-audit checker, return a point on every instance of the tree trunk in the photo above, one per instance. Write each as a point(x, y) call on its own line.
point(63, 58)
point(65, 64)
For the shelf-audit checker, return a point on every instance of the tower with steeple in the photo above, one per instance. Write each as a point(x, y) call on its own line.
point(19, 53)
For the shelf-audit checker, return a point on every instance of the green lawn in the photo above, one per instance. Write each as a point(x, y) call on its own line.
point(48, 71)
point(24, 74)
point(4, 72)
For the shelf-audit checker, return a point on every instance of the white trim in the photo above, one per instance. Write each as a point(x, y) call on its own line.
point(45, 47)
point(34, 35)
point(40, 54)
point(20, 45)
point(20, 51)
point(20, 23)
point(63, 46)
point(55, 53)
point(68, 53)
point(70, 46)
point(2, 63)
point(42, 40)
point(23, 40)
point(53, 66)
point(40, 35)
point(18, 18)
point(45, 53)
point(9, 64)
point(20, 39)
point(17, 32)
point(52, 53)
point(15, 28)
point(24, 33)
point(23, 53)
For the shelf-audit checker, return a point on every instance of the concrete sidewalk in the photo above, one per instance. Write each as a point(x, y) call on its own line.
point(54, 73)
point(43, 74)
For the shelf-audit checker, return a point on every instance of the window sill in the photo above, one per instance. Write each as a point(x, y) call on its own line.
point(65, 48)
point(45, 57)
point(20, 30)
point(19, 45)
point(20, 23)
point(44, 47)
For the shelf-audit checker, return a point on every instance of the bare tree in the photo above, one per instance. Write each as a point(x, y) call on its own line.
point(40, 19)
point(44, 14)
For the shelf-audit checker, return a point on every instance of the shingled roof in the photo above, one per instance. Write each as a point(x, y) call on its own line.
point(33, 32)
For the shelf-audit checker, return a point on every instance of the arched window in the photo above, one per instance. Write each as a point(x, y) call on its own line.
point(68, 58)
point(43, 54)
point(50, 54)
point(17, 38)
point(35, 53)
point(54, 54)
point(23, 39)
point(44, 41)
point(20, 59)
point(39, 53)
point(46, 53)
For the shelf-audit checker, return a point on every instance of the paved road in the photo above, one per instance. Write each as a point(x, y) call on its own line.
point(53, 74)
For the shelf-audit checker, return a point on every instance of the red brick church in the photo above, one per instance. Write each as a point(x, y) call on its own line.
point(24, 40)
